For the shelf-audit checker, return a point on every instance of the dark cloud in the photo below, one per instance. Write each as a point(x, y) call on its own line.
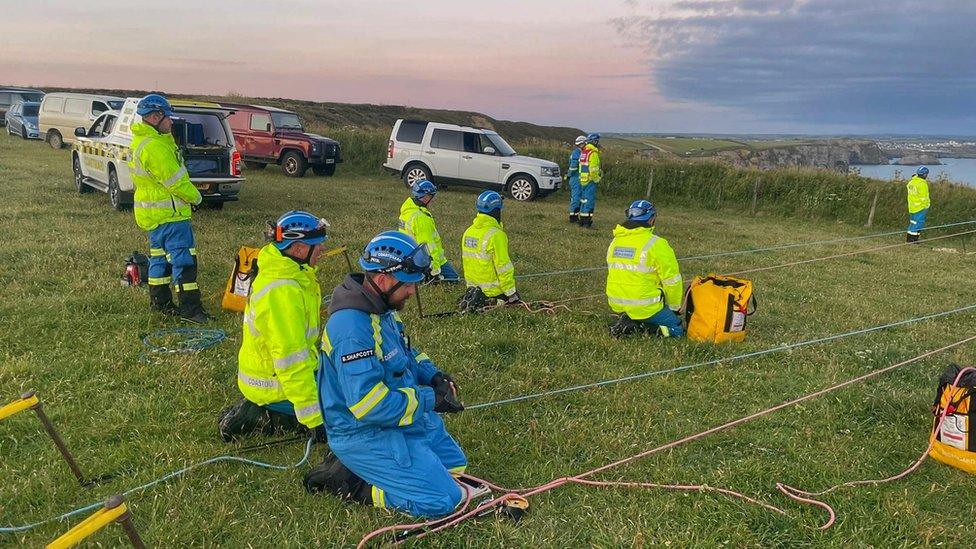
point(900, 65)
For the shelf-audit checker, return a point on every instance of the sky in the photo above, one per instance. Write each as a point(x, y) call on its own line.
point(690, 66)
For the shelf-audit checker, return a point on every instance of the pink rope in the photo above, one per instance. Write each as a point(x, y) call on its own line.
point(431, 527)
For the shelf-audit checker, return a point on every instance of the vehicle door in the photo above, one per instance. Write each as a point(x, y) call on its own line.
point(260, 134)
point(443, 152)
point(478, 160)
point(95, 151)
point(13, 118)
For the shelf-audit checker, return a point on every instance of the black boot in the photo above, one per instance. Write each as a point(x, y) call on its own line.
point(191, 310)
point(911, 238)
point(247, 418)
point(574, 217)
point(334, 477)
point(586, 221)
point(624, 326)
point(161, 299)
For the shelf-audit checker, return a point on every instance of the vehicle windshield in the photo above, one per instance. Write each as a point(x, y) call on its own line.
point(503, 148)
point(195, 129)
point(115, 105)
point(32, 96)
point(286, 121)
point(30, 110)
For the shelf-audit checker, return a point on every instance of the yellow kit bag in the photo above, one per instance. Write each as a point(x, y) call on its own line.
point(718, 307)
point(239, 284)
point(953, 444)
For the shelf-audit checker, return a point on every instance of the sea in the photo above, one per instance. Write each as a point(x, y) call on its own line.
point(957, 170)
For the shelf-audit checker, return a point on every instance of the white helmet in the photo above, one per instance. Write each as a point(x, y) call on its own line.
point(580, 140)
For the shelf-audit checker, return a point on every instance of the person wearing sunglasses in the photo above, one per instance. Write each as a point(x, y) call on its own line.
point(163, 203)
point(417, 221)
point(643, 280)
point(280, 349)
point(381, 397)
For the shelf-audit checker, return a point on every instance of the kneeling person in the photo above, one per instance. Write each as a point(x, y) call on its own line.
point(417, 221)
point(487, 266)
point(643, 279)
point(380, 396)
point(279, 354)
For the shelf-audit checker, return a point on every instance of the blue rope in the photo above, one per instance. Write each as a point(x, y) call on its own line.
point(715, 361)
point(180, 340)
point(164, 478)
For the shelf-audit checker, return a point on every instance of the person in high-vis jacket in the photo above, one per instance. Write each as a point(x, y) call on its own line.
point(417, 221)
point(380, 396)
point(918, 203)
point(484, 252)
point(279, 353)
point(164, 198)
point(589, 176)
point(643, 280)
point(574, 179)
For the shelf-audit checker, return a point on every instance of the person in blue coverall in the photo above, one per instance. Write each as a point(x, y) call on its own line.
point(573, 176)
point(380, 397)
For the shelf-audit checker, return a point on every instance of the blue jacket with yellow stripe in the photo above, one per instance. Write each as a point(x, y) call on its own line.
point(369, 376)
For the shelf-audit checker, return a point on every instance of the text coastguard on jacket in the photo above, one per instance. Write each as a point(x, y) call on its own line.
point(418, 222)
point(164, 191)
point(589, 165)
point(642, 273)
point(279, 355)
point(484, 253)
point(918, 194)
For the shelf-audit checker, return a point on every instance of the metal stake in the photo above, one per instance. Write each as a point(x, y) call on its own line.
point(126, 521)
point(53, 433)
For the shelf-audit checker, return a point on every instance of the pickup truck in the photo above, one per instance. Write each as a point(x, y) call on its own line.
point(267, 135)
point(99, 157)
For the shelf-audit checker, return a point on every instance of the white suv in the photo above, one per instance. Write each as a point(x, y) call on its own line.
point(446, 153)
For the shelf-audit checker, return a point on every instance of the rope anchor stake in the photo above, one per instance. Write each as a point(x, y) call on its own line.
point(29, 401)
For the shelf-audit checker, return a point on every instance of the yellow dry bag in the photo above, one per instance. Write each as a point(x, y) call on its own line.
point(718, 307)
point(953, 445)
point(239, 284)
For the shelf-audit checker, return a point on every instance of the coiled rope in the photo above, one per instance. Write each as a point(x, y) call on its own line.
point(170, 341)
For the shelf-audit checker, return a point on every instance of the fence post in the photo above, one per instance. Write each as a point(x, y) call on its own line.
point(755, 196)
point(874, 204)
point(650, 183)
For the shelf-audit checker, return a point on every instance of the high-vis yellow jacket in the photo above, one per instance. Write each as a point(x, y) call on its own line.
point(484, 255)
point(164, 191)
point(280, 353)
point(418, 222)
point(642, 273)
point(589, 165)
point(918, 194)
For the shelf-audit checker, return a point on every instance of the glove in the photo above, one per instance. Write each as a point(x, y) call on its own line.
point(445, 396)
point(194, 207)
point(441, 377)
point(433, 278)
point(513, 299)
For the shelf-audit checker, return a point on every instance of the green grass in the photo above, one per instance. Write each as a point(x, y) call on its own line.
point(71, 332)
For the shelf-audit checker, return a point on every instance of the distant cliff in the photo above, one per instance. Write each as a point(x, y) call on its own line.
point(832, 155)
point(918, 159)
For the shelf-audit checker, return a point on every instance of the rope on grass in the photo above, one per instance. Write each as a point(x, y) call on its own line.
point(169, 341)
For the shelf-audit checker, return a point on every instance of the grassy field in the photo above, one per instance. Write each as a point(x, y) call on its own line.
point(71, 332)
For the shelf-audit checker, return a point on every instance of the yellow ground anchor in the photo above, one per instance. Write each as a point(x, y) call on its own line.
point(29, 401)
point(115, 510)
point(340, 250)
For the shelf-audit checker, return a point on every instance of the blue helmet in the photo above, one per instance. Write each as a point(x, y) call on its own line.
point(641, 210)
point(154, 103)
point(298, 226)
point(422, 188)
point(488, 201)
point(397, 254)
point(922, 171)
point(593, 138)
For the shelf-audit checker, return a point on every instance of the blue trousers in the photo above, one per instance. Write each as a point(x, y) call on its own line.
point(574, 194)
point(588, 198)
point(667, 322)
point(172, 256)
point(916, 221)
point(409, 469)
point(449, 272)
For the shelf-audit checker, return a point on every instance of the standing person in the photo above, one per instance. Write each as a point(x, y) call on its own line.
point(279, 353)
point(918, 203)
point(643, 280)
point(417, 221)
point(381, 397)
point(164, 199)
point(484, 253)
point(574, 179)
point(589, 176)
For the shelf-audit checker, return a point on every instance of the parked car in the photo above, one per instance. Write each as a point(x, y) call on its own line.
point(447, 153)
point(267, 135)
point(99, 157)
point(61, 113)
point(21, 119)
point(11, 96)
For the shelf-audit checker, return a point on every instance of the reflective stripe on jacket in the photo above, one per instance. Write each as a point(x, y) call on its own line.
point(918, 194)
point(163, 190)
point(279, 355)
point(418, 222)
point(574, 161)
point(484, 256)
point(589, 165)
point(642, 273)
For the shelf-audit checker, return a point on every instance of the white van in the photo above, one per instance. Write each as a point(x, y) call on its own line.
point(61, 113)
point(447, 153)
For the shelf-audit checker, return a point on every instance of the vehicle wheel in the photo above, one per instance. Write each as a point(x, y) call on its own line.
point(327, 170)
point(254, 165)
point(54, 139)
point(23, 133)
point(79, 177)
point(116, 197)
point(414, 173)
point(214, 205)
point(523, 188)
point(293, 164)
